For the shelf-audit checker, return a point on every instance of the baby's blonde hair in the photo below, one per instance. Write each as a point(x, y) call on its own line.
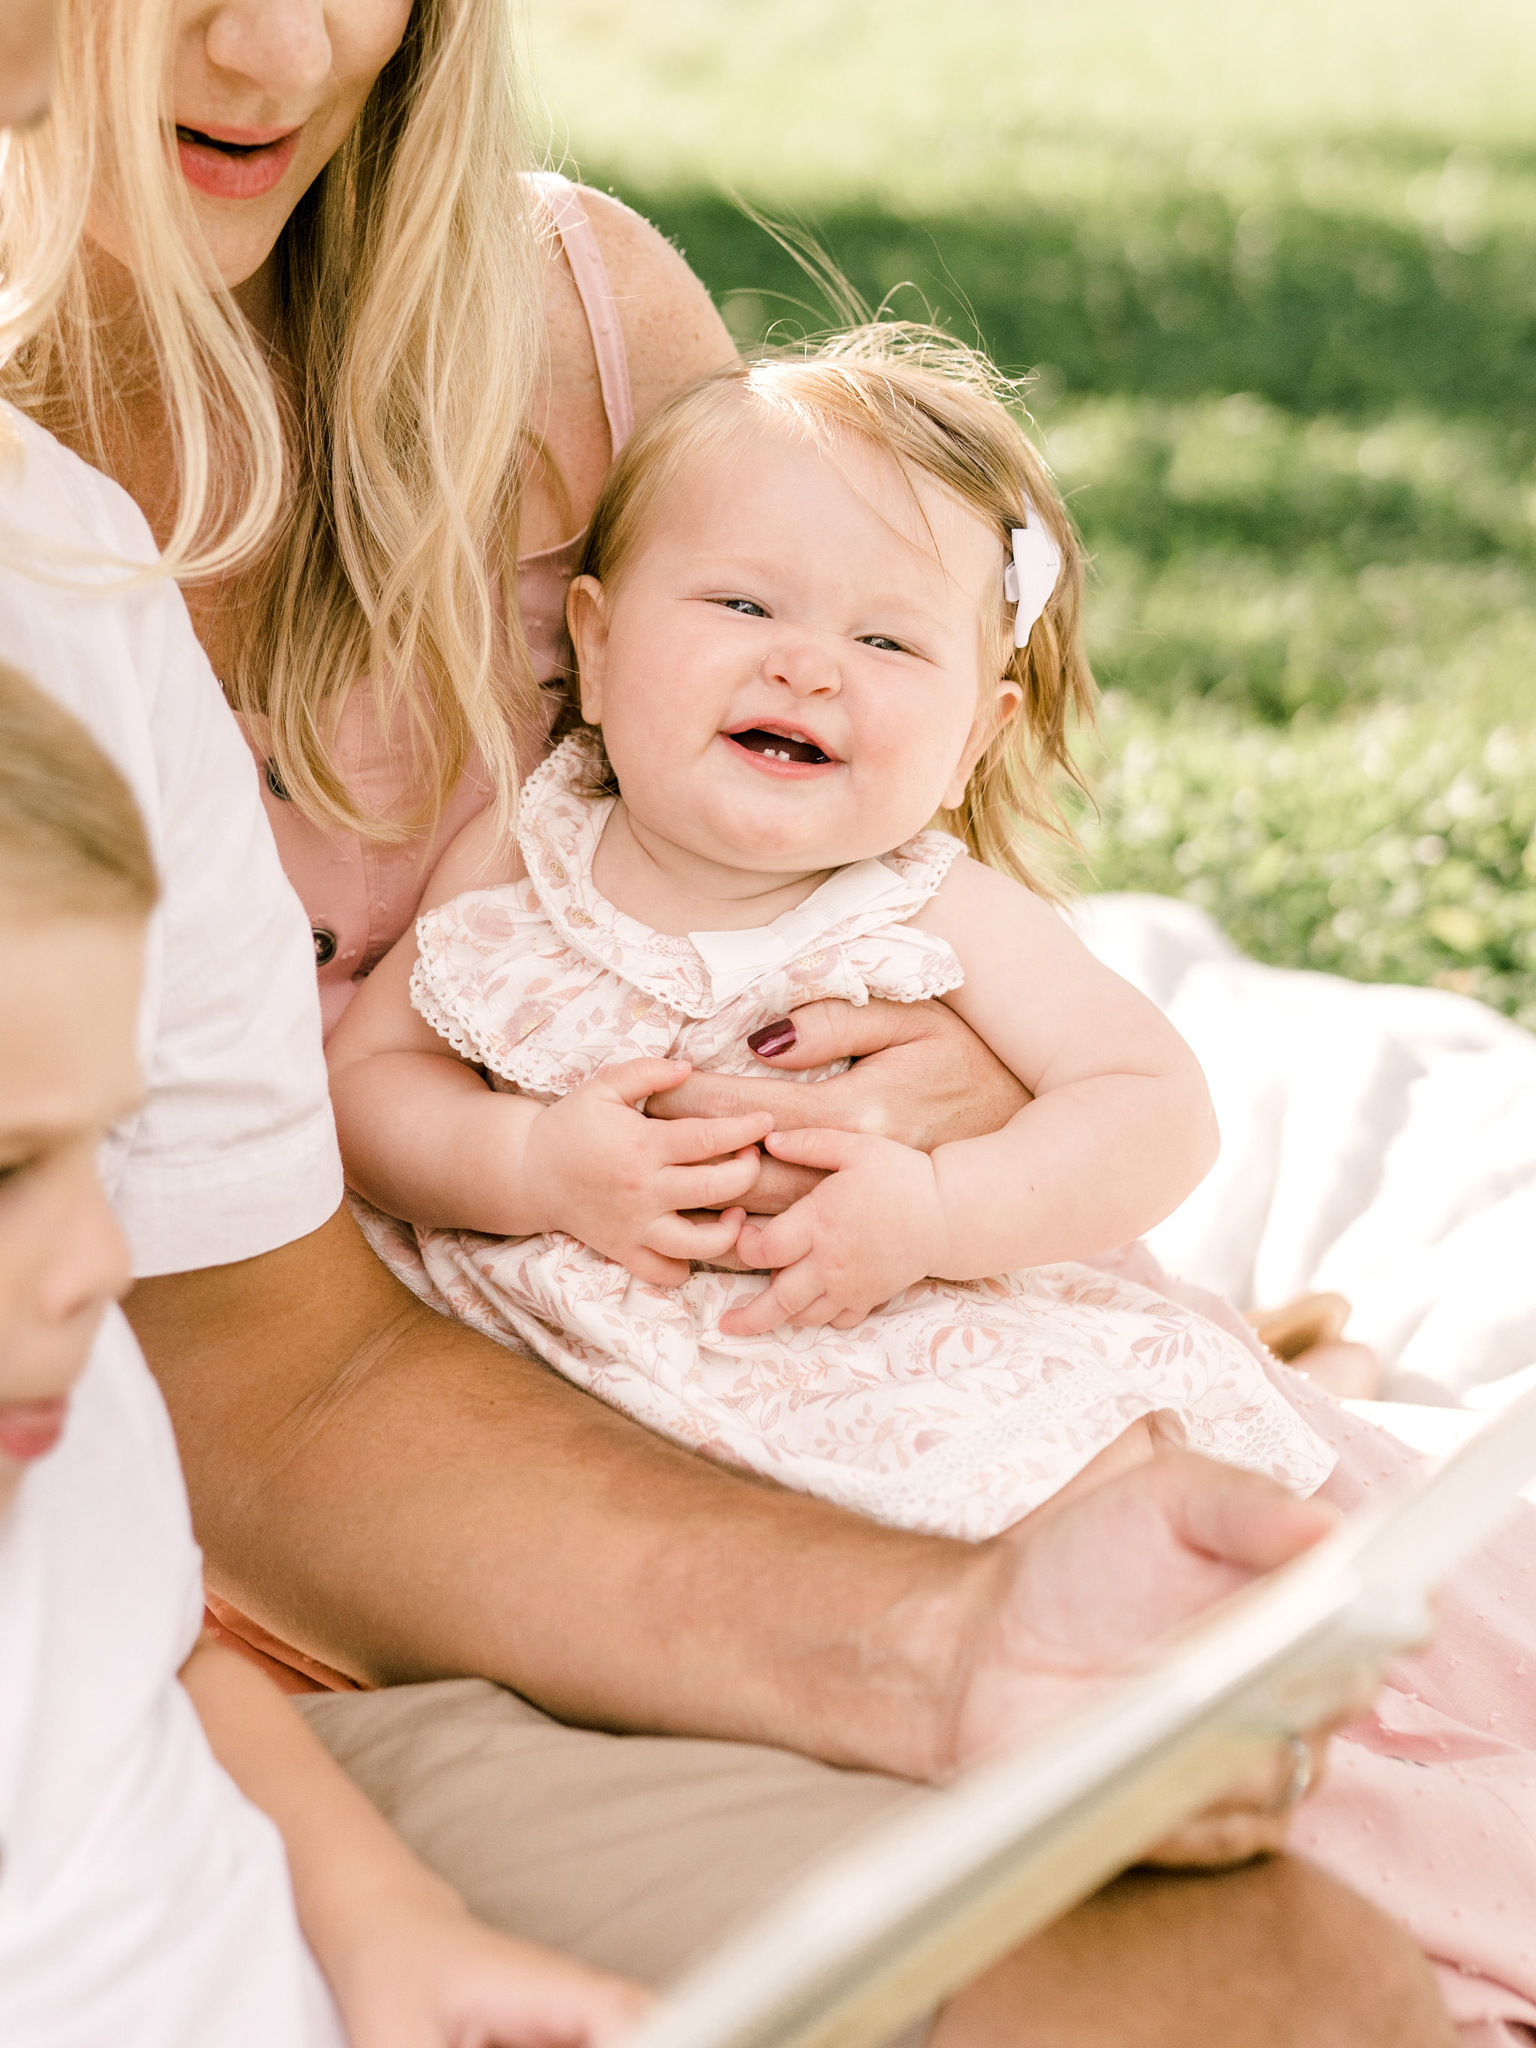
point(941, 409)
point(71, 840)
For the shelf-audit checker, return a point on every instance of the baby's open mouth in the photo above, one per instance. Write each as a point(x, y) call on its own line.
point(777, 746)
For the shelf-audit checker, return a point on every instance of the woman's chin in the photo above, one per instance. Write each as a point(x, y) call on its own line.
point(240, 249)
point(236, 259)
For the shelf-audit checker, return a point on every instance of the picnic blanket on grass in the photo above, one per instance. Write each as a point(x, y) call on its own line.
point(1377, 1141)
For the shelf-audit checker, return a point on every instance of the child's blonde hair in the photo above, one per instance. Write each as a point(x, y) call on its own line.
point(71, 840)
point(937, 407)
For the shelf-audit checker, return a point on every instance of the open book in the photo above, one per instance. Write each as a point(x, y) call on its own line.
point(881, 1933)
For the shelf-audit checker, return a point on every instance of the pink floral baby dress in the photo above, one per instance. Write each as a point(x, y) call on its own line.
point(956, 1407)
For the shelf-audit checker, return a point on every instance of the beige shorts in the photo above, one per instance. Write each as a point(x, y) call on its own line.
point(637, 1853)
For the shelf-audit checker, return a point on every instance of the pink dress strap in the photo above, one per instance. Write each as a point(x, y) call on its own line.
point(597, 300)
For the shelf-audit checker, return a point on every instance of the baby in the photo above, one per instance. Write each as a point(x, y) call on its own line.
point(827, 645)
point(147, 1900)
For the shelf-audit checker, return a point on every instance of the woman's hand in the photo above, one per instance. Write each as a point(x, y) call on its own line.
point(616, 1180)
point(423, 1974)
point(921, 1077)
point(873, 1225)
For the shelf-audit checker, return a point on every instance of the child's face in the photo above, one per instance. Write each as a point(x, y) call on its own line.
point(68, 996)
point(788, 671)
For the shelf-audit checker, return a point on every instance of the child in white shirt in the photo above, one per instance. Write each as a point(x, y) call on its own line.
point(181, 1865)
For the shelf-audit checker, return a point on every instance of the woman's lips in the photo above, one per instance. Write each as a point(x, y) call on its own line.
point(228, 169)
point(30, 1429)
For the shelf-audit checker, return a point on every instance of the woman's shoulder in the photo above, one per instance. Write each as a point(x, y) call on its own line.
point(672, 331)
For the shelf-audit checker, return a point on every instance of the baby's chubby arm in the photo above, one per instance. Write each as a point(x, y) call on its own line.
point(1118, 1131)
point(424, 1137)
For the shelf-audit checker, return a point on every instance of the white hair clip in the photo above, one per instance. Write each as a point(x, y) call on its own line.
point(1031, 576)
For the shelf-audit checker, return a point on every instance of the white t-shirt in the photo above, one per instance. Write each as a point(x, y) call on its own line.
point(234, 1151)
point(144, 1902)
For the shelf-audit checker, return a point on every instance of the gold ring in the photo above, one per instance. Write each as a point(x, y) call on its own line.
point(1300, 1779)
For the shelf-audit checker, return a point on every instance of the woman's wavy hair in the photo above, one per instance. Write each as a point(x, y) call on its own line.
point(940, 409)
point(370, 521)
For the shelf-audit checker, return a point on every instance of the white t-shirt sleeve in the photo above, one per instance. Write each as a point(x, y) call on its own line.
point(234, 1151)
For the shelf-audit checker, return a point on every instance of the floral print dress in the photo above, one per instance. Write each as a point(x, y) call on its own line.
point(954, 1408)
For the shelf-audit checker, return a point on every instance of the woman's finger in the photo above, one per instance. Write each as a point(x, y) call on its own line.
point(819, 1033)
point(787, 1102)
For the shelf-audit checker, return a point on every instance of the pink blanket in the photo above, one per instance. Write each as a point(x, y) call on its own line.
point(1429, 1805)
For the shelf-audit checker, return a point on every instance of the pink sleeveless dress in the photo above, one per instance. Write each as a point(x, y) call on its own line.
point(360, 896)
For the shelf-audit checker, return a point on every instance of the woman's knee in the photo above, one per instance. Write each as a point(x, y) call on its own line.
point(1276, 1954)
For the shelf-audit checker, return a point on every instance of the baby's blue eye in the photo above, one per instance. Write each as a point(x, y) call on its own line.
point(747, 606)
point(885, 645)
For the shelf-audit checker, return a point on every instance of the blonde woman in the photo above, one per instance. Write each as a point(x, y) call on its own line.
point(269, 264)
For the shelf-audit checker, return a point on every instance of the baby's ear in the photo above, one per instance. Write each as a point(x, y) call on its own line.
point(586, 615)
point(990, 720)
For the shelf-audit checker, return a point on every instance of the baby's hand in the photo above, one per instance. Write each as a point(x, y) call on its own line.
point(872, 1227)
point(617, 1179)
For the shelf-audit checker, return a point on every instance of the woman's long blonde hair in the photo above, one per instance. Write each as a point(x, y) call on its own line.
point(365, 508)
point(942, 410)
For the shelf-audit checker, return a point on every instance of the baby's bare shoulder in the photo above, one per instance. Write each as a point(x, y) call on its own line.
point(484, 855)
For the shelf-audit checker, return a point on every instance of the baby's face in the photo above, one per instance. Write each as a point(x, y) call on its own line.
point(68, 998)
point(788, 671)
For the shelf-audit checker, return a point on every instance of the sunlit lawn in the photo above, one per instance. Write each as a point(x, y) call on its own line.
point(1275, 269)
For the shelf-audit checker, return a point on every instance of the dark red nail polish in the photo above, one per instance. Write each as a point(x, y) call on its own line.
point(772, 1038)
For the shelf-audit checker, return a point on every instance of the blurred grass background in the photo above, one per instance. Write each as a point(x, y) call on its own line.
point(1274, 271)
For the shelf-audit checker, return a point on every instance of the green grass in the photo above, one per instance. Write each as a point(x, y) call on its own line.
point(1274, 271)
